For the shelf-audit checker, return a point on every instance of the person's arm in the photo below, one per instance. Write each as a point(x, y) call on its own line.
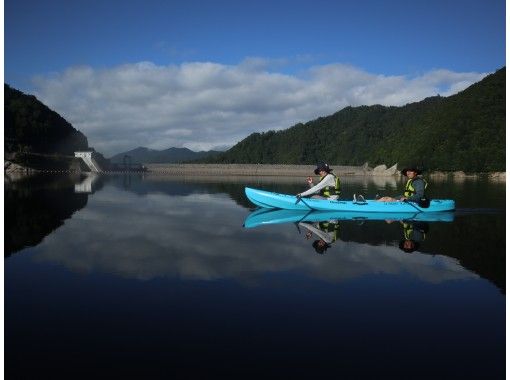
point(322, 184)
point(319, 233)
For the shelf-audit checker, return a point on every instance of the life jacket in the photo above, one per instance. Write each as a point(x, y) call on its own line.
point(409, 189)
point(409, 228)
point(330, 190)
point(330, 227)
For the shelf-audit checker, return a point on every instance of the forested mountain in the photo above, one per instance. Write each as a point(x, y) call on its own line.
point(465, 131)
point(31, 127)
point(171, 155)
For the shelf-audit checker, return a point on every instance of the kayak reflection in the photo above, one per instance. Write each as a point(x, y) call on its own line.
point(264, 216)
point(324, 226)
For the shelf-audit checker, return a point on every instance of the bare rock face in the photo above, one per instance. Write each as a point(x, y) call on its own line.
point(497, 176)
point(380, 169)
point(393, 170)
point(439, 175)
point(383, 170)
point(12, 168)
point(14, 172)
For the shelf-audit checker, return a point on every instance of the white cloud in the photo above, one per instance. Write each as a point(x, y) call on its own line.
point(205, 105)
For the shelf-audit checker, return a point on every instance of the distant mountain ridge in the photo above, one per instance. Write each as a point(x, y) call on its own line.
point(465, 131)
point(171, 155)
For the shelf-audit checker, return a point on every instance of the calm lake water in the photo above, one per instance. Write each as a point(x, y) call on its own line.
point(156, 277)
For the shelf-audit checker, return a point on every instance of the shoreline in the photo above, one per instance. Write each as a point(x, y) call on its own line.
point(263, 170)
point(250, 169)
point(303, 170)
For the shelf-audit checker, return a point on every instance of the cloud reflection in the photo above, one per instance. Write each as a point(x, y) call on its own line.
point(200, 236)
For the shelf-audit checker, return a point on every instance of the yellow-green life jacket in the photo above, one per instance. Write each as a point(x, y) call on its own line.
point(330, 227)
point(329, 190)
point(408, 231)
point(409, 189)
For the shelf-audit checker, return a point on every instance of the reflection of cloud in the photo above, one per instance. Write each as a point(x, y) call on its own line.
point(366, 259)
point(201, 237)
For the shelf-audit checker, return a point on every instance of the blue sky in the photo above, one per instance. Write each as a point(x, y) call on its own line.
point(213, 72)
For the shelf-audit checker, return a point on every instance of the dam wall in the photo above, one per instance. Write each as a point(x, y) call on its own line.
point(262, 170)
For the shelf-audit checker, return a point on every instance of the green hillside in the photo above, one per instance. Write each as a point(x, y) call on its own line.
point(465, 131)
point(31, 127)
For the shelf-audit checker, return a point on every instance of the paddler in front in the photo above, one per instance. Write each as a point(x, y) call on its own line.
point(328, 186)
point(415, 187)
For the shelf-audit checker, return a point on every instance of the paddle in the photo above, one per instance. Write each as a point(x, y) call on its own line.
point(299, 198)
point(300, 220)
point(412, 204)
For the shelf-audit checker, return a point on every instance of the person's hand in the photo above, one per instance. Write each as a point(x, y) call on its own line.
point(298, 195)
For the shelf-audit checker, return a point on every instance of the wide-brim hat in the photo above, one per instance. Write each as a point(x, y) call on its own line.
point(411, 169)
point(413, 247)
point(320, 249)
point(322, 166)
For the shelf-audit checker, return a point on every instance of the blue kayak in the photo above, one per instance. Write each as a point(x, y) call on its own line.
point(267, 199)
point(266, 216)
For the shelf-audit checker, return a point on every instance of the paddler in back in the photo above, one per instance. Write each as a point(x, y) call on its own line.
point(328, 186)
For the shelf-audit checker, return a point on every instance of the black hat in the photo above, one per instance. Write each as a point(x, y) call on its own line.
point(411, 169)
point(322, 166)
point(410, 247)
point(320, 248)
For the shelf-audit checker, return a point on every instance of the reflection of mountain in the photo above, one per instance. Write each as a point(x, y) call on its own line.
point(200, 236)
point(141, 184)
point(36, 206)
point(454, 240)
point(483, 255)
point(478, 242)
point(443, 238)
point(160, 245)
point(166, 227)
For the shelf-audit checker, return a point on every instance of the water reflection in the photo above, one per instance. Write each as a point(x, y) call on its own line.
point(145, 228)
point(163, 270)
point(37, 206)
point(326, 224)
point(266, 216)
point(87, 184)
point(326, 230)
point(199, 236)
